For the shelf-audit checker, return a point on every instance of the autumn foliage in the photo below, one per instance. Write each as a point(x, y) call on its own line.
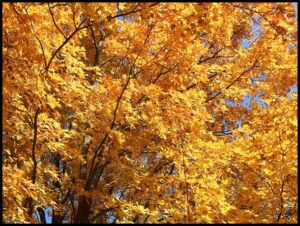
point(136, 112)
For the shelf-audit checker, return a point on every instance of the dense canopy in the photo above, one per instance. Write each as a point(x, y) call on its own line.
point(149, 112)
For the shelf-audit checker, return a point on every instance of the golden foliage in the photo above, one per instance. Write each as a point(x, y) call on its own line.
point(128, 112)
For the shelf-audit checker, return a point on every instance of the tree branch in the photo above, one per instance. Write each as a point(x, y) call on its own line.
point(101, 147)
point(39, 41)
point(101, 172)
point(234, 81)
point(245, 72)
point(16, 108)
point(129, 78)
point(134, 10)
point(64, 43)
point(91, 171)
point(146, 218)
point(33, 157)
point(165, 72)
point(52, 16)
point(212, 57)
point(97, 53)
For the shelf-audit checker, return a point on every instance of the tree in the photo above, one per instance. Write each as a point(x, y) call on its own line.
point(135, 112)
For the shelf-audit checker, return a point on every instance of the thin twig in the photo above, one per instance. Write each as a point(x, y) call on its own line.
point(52, 16)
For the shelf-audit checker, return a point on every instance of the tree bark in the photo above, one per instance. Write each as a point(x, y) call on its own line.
point(33, 158)
point(42, 215)
point(57, 219)
point(83, 211)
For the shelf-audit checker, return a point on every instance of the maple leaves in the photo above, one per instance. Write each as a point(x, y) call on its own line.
point(127, 112)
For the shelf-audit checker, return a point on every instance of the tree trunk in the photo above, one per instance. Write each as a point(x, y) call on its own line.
point(42, 215)
point(83, 211)
point(57, 219)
